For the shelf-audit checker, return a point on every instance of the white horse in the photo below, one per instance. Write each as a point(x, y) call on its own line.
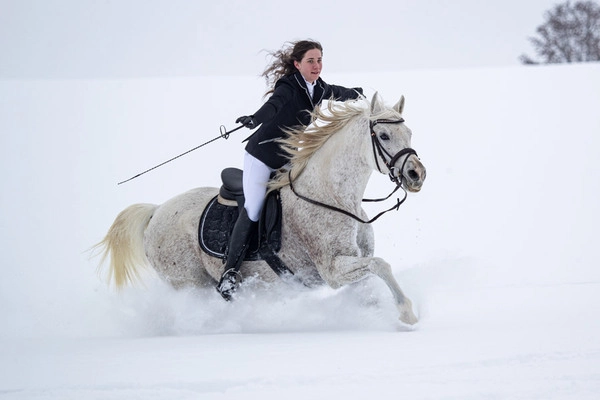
point(323, 239)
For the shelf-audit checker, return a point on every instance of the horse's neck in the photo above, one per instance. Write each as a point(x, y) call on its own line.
point(339, 169)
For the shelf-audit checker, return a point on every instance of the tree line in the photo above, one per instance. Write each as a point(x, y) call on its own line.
point(570, 33)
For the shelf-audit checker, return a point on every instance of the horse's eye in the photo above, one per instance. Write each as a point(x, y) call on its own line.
point(384, 136)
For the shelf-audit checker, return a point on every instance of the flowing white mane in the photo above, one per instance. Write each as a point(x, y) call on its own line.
point(301, 143)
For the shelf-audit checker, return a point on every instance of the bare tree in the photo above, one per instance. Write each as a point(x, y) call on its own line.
point(570, 33)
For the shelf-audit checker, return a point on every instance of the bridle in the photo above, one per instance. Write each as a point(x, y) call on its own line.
point(389, 161)
point(377, 146)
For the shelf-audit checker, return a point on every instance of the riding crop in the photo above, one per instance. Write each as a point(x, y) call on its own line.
point(224, 134)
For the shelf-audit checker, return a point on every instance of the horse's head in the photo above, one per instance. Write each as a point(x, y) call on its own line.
point(391, 145)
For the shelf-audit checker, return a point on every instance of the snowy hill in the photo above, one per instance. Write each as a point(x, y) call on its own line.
point(497, 252)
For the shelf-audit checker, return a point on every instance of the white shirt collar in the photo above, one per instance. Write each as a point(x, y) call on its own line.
point(310, 87)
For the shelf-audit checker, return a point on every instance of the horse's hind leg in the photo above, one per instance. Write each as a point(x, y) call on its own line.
point(352, 269)
point(176, 258)
point(171, 240)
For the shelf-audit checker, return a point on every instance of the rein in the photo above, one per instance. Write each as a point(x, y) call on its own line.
point(349, 214)
point(377, 148)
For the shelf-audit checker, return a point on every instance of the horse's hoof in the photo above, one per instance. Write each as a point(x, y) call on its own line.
point(407, 315)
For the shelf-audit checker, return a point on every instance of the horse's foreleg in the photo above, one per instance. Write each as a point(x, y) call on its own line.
point(353, 269)
point(383, 270)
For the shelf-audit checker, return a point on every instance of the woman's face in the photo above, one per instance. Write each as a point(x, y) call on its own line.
point(310, 65)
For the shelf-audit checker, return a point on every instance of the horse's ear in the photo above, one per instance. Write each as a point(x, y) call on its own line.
point(400, 105)
point(376, 106)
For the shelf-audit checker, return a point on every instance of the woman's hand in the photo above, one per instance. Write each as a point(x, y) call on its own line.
point(248, 121)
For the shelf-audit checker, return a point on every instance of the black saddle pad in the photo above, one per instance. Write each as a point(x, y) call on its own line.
point(216, 224)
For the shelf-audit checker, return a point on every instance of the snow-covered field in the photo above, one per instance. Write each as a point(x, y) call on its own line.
point(498, 252)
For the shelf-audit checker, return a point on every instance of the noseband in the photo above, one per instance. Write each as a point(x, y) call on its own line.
point(389, 161)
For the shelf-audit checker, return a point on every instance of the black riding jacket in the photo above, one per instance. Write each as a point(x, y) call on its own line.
point(289, 106)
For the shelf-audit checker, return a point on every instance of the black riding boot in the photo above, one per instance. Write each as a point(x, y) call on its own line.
point(238, 244)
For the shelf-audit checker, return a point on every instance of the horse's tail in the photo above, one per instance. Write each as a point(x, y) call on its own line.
point(124, 242)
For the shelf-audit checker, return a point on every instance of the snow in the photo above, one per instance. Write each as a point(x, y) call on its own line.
point(497, 252)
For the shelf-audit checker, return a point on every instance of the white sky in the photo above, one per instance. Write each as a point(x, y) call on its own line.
point(140, 38)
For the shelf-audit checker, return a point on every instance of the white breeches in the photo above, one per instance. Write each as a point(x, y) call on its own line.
point(256, 177)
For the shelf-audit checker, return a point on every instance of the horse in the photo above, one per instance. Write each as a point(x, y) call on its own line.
point(325, 235)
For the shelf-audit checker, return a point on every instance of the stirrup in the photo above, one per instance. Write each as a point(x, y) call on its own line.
point(230, 280)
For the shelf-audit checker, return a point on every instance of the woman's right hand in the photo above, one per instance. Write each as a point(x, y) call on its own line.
point(248, 121)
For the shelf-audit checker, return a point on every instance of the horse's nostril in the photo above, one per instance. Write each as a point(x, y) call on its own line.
point(412, 174)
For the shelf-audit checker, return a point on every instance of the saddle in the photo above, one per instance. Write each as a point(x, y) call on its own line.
point(221, 213)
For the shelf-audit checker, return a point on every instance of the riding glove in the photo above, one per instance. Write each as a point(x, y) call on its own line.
point(248, 121)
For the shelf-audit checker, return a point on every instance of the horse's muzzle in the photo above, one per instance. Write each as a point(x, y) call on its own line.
point(414, 174)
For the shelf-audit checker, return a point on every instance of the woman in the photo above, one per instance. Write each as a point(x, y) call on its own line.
point(296, 90)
